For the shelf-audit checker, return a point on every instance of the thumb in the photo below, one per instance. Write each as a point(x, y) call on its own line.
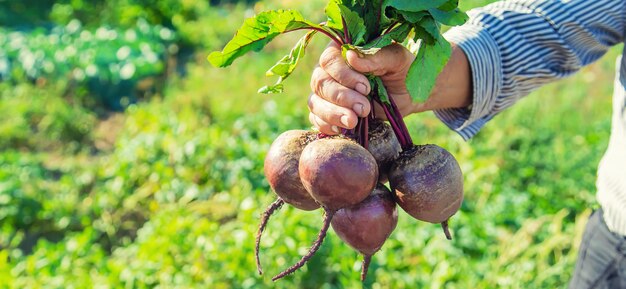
point(390, 59)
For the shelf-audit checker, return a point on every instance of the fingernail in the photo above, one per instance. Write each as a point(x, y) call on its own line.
point(361, 88)
point(344, 120)
point(334, 128)
point(359, 109)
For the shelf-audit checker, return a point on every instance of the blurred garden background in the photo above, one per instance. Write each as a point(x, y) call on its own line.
point(127, 161)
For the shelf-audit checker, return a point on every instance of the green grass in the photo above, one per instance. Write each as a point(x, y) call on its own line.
point(174, 201)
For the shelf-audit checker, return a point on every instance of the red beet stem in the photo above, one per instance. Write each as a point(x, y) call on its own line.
point(328, 216)
point(338, 41)
point(395, 119)
point(346, 33)
point(322, 135)
point(400, 121)
point(365, 267)
point(275, 206)
point(358, 130)
point(363, 132)
point(444, 226)
point(394, 125)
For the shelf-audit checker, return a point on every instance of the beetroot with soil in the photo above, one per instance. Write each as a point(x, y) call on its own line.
point(339, 174)
point(367, 225)
point(281, 171)
point(281, 168)
point(428, 184)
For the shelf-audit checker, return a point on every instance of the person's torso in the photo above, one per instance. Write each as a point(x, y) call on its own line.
point(611, 181)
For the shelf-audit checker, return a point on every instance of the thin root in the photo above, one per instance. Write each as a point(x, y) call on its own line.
point(365, 267)
point(328, 216)
point(444, 226)
point(275, 206)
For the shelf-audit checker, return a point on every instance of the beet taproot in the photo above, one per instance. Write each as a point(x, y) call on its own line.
point(367, 225)
point(428, 184)
point(281, 171)
point(337, 172)
point(281, 168)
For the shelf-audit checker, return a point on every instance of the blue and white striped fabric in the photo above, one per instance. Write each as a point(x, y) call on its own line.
point(516, 46)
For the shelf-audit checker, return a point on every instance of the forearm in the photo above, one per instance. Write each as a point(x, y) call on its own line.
point(453, 88)
point(514, 47)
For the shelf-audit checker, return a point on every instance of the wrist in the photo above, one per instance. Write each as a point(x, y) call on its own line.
point(453, 88)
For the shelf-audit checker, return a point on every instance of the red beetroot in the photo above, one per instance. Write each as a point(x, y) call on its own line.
point(383, 145)
point(428, 184)
point(281, 168)
point(367, 225)
point(338, 173)
point(281, 171)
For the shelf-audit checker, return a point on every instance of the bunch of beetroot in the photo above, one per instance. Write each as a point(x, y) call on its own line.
point(342, 174)
point(345, 175)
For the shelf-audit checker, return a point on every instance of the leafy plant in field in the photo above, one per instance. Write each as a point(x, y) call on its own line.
point(108, 62)
point(34, 118)
point(198, 23)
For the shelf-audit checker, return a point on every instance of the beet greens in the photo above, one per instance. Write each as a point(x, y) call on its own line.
point(366, 26)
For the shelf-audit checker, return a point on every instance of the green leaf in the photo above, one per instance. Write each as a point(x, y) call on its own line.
point(421, 34)
point(414, 5)
point(355, 24)
point(334, 15)
point(288, 63)
point(429, 62)
point(449, 5)
point(256, 32)
point(398, 34)
point(377, 83)
point(284, 67)
point(371, 12)
point(412, 17)
point(269, 89)
point(431, 27)
point(452, 18)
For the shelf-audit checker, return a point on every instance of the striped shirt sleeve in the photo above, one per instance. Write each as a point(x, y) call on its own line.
point(514, 47)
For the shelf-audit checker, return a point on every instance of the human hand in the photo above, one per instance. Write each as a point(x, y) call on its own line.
point(340, 87)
